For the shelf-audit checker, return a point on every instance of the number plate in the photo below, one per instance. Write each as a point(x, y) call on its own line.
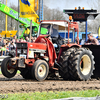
point(24, 56)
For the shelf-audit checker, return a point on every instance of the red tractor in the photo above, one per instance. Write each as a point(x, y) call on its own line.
point(51, 53)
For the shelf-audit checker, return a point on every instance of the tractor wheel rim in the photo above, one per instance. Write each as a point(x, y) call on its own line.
point(10, 70)
point(85, 64)
point(41, 70)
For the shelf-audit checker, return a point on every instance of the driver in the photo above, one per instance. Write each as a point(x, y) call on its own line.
point(56, 39)
point(54, 32)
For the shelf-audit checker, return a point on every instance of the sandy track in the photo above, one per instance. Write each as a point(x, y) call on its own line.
point(18, 84)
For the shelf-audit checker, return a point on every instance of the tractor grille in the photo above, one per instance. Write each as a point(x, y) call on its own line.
point(21, 45)
point(22, 49)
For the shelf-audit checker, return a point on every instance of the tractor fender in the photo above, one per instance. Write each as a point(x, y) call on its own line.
point(66, 47)
point(50, 48)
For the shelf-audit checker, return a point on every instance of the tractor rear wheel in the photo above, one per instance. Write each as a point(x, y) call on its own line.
point(40, 70)
point(81, 64)
point(64, 62)
point(7, 70)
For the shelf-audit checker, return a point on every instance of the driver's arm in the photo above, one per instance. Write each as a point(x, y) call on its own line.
point(55, 34)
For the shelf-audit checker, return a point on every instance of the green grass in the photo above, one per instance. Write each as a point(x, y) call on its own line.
point(17, 72)
point(51, 95)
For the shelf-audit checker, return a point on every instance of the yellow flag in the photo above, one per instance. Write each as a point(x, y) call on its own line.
point(27, 8)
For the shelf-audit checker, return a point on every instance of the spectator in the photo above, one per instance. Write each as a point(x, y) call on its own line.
point(12, 46)
point(7, 48)
point(1, 44)
point(8, 42)
point(15, 38)
point(24, 41)
point(4, 41)
point(21, 39)
point(33, 39)
point(27, 39)
point(76, 40)
point(12, 49)
point(91, 40)
point(14, 42)
point(3, 50)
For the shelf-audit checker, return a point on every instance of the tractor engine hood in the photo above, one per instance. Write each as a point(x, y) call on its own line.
point(40, 46)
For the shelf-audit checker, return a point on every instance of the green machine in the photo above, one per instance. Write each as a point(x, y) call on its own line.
point(25, 22)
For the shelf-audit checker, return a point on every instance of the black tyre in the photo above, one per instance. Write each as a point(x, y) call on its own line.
point(81, 64)
point(64, 62)
point(40, 70)
point(26, 72)
point(7, 70)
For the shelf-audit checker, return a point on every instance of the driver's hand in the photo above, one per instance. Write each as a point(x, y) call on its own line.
point(49, 38)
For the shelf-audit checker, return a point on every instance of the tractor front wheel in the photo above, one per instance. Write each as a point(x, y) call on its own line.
point(40, 70)
point(7, 70)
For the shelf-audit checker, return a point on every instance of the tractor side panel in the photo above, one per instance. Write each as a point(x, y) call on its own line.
point(96, 53)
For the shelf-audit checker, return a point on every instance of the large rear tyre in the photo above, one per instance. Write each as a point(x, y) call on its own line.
point(7, 70)
point(81, 64)
point(64, 62)
point(40, 70)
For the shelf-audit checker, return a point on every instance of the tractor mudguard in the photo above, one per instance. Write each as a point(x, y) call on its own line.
point(50, 48)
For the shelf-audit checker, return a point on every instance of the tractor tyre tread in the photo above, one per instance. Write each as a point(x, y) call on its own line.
point(64, 61)
point(74, 69)
point(4, 70)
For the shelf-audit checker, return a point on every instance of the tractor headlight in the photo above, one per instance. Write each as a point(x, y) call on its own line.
point(19, 51)
point(25, 51)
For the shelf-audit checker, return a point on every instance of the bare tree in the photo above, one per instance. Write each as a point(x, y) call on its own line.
point(93, 24)
point(98, 5)
point(47, 13)
point(53, 14)
point(11, 22)
point(2, 18)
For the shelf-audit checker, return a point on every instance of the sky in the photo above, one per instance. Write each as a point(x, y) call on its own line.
point(65, 4)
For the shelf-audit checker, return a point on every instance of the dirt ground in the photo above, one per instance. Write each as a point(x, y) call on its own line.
point(18, 84)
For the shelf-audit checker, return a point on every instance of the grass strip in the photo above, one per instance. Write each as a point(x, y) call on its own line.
point(49, 95)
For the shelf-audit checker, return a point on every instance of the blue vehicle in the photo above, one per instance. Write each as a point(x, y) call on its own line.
point(73, 36)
